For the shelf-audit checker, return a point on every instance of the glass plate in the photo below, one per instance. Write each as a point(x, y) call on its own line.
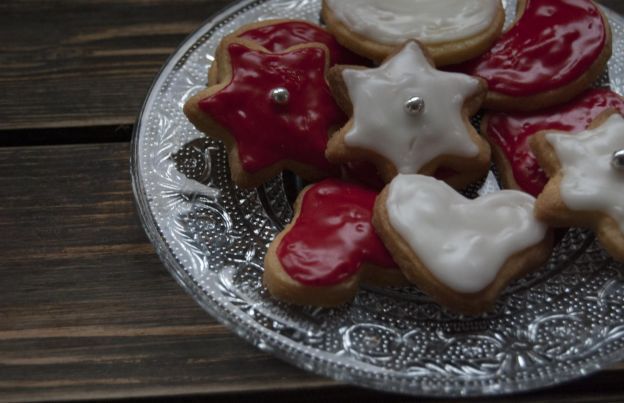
point(564, 321)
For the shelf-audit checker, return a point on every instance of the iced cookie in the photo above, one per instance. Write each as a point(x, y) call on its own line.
point(509, 135)
point(330, 246)
point(273, 111)
point(553, 52)
point(279, 35)
point(586, 186)
point(452, 30)
point(407, 117)
point(461, 252)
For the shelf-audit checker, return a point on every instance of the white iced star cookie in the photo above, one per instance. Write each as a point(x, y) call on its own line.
point(586, 186)
point(407, 117)
point(452, 30)
point(461, 252)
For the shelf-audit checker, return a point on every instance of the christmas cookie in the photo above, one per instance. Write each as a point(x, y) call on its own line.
point(461, 252)
point(274, 111)
point(554, 51)
point(452, 30)
point(509, 135)
point(586, 186)
point(330, 246)
point(407, 117)
point(279, 35)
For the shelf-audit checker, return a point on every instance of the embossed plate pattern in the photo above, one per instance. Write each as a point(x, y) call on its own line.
point(562, 322)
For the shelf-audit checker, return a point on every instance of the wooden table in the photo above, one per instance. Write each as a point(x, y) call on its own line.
point(87, 310)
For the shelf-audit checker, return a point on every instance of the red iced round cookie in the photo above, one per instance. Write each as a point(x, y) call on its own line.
point(554, 51)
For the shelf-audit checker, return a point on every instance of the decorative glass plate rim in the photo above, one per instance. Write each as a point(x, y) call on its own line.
point(316, 361)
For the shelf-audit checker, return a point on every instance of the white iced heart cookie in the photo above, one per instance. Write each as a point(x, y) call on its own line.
point(462, 252)
point(409, 117)
point(586, 186)
point(453, 30)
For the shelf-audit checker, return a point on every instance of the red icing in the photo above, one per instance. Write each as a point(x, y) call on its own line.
point(512, 131)
point(264, 131)
point(553, 43)
point(283, 35)
point(332, 235)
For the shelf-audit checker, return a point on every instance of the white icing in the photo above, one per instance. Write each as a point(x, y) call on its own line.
point(392, 22)
point(464, 243)
point(589, 181)
point(381, 123)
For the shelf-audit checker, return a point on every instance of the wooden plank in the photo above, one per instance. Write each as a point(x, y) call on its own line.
point(88, 311)
point(86, 63)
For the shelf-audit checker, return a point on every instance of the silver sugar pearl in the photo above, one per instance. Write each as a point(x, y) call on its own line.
point(280, 95)
point(617, 161)
point(415, 105)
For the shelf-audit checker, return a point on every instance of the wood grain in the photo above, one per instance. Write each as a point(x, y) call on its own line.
point(88, 311)
point(87, 62)
point(72, 63)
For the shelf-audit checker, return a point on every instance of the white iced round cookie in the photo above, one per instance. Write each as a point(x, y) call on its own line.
point(464, 243)
point(589, 181)
point(392, 22)
point(382, 122)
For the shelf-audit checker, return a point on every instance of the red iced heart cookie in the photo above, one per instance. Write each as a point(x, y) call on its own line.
point(320, 258)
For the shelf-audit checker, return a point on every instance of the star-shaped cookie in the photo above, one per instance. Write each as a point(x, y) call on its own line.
point(274, 111)
point(279, 35)
point(586, 186)
point(408, 117)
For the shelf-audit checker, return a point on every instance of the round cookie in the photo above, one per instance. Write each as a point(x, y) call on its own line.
point(452, 30)
point(586, 183)
point(407, 117)
point(330, 246)
point(279, 35)
point(553, 52)
point(273, 111)
point(509, 134)
point(461, 252)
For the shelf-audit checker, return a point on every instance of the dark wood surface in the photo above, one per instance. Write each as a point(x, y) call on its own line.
point(87, 310)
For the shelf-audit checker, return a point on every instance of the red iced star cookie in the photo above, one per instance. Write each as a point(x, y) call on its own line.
point(273, 111)
point(330, 246)
point(509, 134)
point(279, 35)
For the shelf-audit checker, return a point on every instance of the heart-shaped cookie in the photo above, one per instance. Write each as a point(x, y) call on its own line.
point(330, 246)
point(462, 252)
